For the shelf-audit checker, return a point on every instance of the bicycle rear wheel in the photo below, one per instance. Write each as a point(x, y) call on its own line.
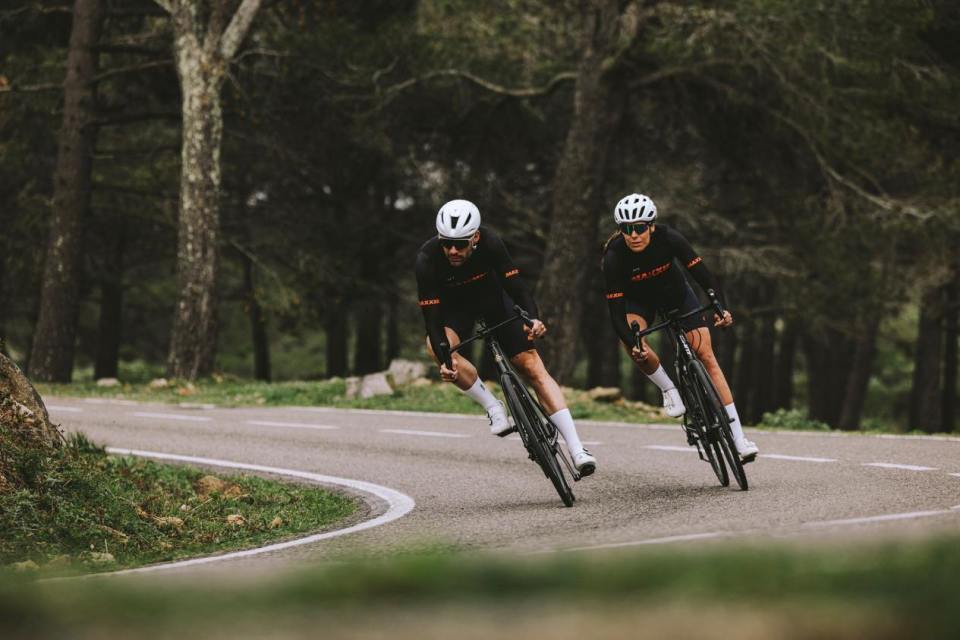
point(717, 416)
point(534, 437)
point(696, 415)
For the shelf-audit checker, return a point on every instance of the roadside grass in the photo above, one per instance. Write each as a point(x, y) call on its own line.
point(434, 397)
point(78, 509)
point(879, 590)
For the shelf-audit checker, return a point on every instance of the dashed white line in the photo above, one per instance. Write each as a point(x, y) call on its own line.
point(293, 425)
point(890, 465)
point(780, 456)
point(884, 518)
point(125, 403)
point(955, 475)
point(669, 447)
point(170, 416)
point(56, 407)
point(400, 505)
point(435, 434)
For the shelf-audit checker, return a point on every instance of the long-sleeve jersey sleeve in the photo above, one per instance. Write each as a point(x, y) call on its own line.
point(509, 275)
point(428, 291)
point(694, 263)
point(616, 304)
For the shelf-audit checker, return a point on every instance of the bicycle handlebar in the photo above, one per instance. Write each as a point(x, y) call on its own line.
point(714, 304)
point(485, 331)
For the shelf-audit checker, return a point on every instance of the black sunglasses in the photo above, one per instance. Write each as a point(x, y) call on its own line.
point(449, 243)
point(627, 228)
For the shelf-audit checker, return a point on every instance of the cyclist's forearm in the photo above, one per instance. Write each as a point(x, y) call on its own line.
point(437, 336)
point(706, 280)
point(521, 295)
point(618, 318)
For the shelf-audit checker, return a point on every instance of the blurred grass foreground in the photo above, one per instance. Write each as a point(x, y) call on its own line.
point(878, 591)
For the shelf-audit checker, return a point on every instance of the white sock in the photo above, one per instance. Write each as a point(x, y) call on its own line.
point(661, 379)
point(481, 395)
point(735, 427)
point(564, 422)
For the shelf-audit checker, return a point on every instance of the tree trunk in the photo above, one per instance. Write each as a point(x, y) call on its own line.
point(952, 335)
point(54, 336)
point(336, 328)
point(860, 370)
point(924, 405)
point(786, 358)
point(601, 341)
point(743, 378)
point(763, 369)
point(258, 323)
point(4, 306)
point(577, 186)
point(110, 329)
point(393, 328)
point(368, 348)
point(828, 355)
point(204, 44)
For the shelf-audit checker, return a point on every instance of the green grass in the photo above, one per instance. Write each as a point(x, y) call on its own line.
point(435, 397)
point(875, 590)
point(64, 509)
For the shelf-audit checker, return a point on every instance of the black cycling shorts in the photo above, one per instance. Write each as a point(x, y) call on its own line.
point(512, 338)
point(648, 309)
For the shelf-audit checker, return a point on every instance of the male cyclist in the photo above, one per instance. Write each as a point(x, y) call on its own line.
point(642, 276)
point(465, 273)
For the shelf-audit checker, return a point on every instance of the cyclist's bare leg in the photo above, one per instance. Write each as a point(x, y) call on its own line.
point(529, 365)
point(700, 341)
point(466, 372)
point(652, 361)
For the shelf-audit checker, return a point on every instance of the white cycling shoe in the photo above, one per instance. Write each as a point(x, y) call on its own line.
point(672, 404)
point(499, 424)
point(584, 462)
point(748, 450)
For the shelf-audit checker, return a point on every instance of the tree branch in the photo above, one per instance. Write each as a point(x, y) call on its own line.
point(131, 69)
point(27, 88)
point(238, 27)
point(523, 92)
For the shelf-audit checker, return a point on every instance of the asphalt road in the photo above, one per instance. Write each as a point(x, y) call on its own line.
point(475, 491)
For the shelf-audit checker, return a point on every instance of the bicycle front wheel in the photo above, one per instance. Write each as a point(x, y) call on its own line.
point(696, 420)
point(718, 418)
point(534, 437)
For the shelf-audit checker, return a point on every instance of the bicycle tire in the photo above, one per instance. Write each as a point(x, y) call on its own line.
point(715, 458)
point(525, 417)
point(726, 443)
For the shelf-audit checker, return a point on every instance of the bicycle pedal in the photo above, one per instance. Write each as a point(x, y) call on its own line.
point(748, 459)
point(504, 434)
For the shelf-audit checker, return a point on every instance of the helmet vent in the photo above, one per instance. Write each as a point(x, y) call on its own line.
point(453, 221)
point(466, 221)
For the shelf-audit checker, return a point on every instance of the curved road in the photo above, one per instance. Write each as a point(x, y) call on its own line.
point(476, 491)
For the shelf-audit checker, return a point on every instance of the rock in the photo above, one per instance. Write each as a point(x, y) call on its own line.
point(59, 562)
point(604, 394)
point(353, 387)
point(184, 508)
point(159, 383)
point(209, 484)
point(236, 520)
point(169, 522)
point(98, 558)
point(17, 394)
point(233, 491)
point(421, 382)
point(375, 384)
point(26, 565)
point(108, 382)
point(403, 372)
point(276, 522)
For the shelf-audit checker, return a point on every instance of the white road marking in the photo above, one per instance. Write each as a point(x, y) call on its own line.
point(890, 465)
point(668, 447)
point(592, 443)
point(389, 412)
point(955, 475)
point(435, 434)
point(780, 456)
point(126, 403)
point(171, 416)
point(400, 505)
point(635, 543)
point(294, 425)
point(56, 407)
point(884, 518)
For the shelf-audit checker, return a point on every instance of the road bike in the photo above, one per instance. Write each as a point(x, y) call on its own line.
point(538, 434)
point(706, 421)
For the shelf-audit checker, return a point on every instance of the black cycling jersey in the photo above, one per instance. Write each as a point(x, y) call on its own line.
point(477, 286)
point(651, 276)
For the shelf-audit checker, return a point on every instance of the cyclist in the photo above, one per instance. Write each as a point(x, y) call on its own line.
point(641, 273)
point(465, 273)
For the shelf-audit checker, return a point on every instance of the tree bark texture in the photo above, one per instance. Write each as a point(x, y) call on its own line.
point(786, 358)
point(859, 377)
point(828, 354)
point(110, 327)
point(952, 336)
point(55, 332)
point(368, 348)
point(258, 324)
point(577, 187)
point(336, 329)
point(924, 392)
point(601, 341)
point(763, 369)
point(203, 53)
point(743, 375)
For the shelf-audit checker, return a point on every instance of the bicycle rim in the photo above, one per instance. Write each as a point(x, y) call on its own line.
point(539, 448)
point(719, 415)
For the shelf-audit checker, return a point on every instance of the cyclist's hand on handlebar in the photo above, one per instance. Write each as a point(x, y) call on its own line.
point(536, 330)
point(449, 375)
point(723, 321)
point(639, 355)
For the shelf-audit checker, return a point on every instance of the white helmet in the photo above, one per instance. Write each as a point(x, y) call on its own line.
point(635, 207)
point(458, 219)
